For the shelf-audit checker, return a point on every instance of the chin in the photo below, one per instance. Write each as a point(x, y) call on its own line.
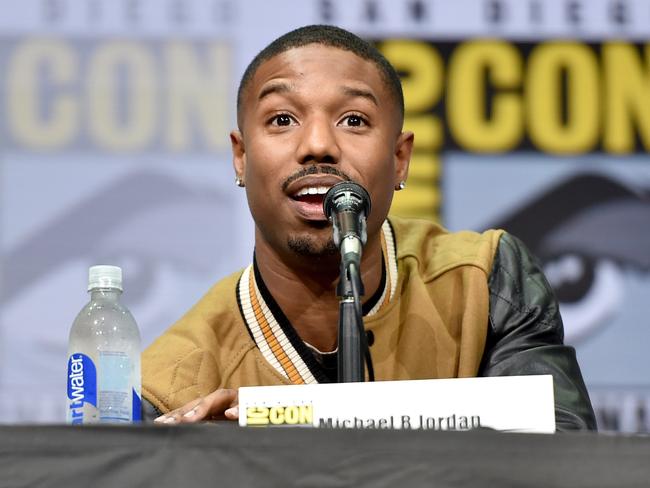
point(310, 246)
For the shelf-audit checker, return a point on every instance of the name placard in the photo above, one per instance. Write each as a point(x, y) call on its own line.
point(507, 403)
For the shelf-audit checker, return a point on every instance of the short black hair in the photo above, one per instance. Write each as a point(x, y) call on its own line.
point(326, 35)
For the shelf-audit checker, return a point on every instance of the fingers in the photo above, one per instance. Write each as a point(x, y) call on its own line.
point(232, 413)
point(219, 404)
point(190, 412)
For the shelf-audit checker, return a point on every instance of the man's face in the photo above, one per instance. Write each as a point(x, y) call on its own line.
point(311, 117)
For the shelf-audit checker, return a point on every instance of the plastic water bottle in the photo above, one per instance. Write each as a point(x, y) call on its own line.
point(104, 355)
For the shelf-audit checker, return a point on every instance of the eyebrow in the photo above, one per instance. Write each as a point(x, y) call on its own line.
point(358, 92)
point(275, 87)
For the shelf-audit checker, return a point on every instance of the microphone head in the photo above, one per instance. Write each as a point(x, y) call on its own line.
point(346, 196)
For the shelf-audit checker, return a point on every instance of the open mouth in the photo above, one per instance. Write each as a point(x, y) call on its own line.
point(307, 193)
point(313, 195)
point(309, 201)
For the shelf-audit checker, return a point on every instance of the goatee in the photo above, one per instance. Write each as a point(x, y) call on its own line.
point(309, 247)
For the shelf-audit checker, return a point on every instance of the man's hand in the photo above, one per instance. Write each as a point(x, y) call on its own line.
point(218, 405)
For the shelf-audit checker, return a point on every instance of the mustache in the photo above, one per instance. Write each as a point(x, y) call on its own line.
point(315, 169)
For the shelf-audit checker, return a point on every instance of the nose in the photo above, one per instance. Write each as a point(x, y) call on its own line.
point(318, 143)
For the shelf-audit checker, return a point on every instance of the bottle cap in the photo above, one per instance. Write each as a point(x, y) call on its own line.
point(104, 276)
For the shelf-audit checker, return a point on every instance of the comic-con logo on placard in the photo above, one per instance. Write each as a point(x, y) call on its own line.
point(280, 415)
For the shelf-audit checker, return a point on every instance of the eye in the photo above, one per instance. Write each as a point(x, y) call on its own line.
point(354, 120)
point(282, 120)
point(589, 292)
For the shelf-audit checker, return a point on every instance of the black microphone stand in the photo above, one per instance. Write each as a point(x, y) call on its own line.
point(351, 343)
point(346, 204)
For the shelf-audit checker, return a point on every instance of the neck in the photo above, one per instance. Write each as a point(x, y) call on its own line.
point(305, 288)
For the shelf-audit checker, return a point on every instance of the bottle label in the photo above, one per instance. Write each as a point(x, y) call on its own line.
point(82, 386)
point(114, 386)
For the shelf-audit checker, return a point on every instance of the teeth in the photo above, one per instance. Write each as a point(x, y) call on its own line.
point(313, 190)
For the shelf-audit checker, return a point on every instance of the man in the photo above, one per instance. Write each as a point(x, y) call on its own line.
point(316, 107)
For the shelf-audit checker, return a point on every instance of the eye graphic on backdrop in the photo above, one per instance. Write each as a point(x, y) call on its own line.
point(588, 231)
point(590, 291)
point(123, 221)
point(164, 233)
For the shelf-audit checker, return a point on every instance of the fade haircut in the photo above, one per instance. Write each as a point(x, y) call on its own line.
point(325, 35)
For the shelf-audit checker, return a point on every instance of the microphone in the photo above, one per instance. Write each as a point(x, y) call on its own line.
point(347, 205)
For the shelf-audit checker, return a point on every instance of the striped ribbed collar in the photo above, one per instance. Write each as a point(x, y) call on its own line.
point(276, 338)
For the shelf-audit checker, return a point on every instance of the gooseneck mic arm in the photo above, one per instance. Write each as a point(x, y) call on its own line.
point(347, 205)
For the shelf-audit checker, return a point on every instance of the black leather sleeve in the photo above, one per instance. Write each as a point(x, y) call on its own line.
point(525, 334)
point(149, 411)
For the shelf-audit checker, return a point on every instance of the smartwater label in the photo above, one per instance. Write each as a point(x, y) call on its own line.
point(82, 387)
point(115, 398)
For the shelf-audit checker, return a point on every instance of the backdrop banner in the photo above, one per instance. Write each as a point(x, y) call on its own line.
point(532, 116)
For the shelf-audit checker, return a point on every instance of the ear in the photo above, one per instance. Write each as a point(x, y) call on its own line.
point(238, 154)
point(403, 151)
